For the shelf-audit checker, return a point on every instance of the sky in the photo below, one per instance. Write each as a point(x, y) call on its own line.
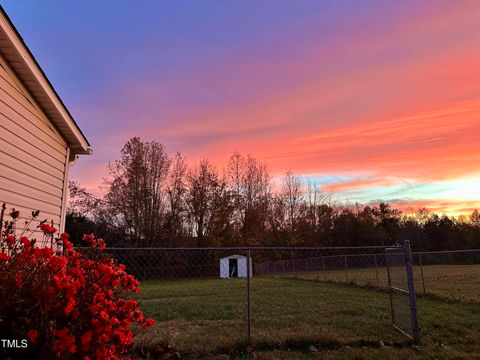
point(373, 100)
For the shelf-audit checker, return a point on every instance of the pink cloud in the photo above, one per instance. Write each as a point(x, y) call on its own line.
point(358, 184)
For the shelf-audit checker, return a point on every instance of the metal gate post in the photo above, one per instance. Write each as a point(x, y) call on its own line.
point(411, 292)
point(249, 300)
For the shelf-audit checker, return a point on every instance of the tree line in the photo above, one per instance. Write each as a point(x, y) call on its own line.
point(156, 200)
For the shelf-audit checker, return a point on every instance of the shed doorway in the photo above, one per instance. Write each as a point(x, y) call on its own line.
point(233, 267)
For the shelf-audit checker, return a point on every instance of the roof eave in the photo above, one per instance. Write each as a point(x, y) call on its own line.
point(34, 79)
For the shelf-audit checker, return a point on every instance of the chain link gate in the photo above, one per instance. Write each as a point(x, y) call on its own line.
point(402, 290)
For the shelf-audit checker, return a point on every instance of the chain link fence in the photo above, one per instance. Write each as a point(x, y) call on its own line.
point(211, 298)
point(453, 274)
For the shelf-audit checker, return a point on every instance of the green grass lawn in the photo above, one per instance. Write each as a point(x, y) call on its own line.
point(289, 315)
point(459, 282)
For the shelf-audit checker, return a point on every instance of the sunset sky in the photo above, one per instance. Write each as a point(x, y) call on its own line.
point(375, 100)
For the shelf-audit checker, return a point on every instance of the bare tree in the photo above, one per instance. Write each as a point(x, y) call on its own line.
point(250, 186)
point(152, 199)
point(87, 213)
point(203, 183)
point(292, 193)
point(315, 197)
point(234, 175)
point(81, 201)
point(136, 187)
point(176, 191)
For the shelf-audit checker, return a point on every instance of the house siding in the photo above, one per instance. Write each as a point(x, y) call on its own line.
point(33, 156)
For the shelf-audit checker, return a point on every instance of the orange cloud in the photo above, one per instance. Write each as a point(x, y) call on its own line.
point(450, 207)
point(429, 145)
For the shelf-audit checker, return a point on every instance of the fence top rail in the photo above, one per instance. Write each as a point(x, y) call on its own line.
point(324, 257)
point(252, 248)
point(445, 251)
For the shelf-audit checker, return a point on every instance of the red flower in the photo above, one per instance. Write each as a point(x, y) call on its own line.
point(64, 342)
point(124, 338)
point(104, 315)
point(137, 316)
point(33, 335)
point(101, 244)
point(26, 243)
point(48, 229)
point(85, 340)
point(87, 337)
point(10, 239)
point(131, 304)
point(44, 253)
point(89, 238)
point(103, 338)
point(75, 314)
point(83, 295)
point(64, 237)
point(69, 308)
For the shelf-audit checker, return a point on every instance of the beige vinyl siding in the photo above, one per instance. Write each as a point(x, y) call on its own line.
point(32, 155)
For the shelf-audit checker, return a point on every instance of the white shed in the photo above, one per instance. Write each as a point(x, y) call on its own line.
point(38, 136)
point(234, 266)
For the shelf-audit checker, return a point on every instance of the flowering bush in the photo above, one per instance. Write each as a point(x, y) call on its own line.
point(68, 305)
